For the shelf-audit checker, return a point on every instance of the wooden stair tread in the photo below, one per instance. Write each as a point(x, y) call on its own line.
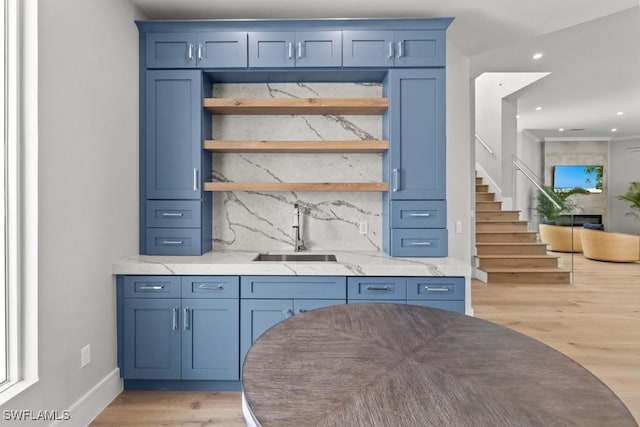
point(518, 256)
point(499, 211)
point(525, 270)
point(505, 232)
point(497, 221)
point(511, 244)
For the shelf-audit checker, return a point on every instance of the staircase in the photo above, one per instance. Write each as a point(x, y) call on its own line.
point(506, 251)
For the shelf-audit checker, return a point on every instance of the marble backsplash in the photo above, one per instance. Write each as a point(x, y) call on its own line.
point(262, 221)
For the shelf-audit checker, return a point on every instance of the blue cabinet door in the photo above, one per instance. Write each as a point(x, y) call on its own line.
point(224, 49)
point(417, 145)
point(171, 50)
point(304, 305)
point(419, 48)
point(152, 344)
point(272, 49)
point(173, 143)
point(210, 339)
point(256, 316)
point(367, 48)
point(318, 49)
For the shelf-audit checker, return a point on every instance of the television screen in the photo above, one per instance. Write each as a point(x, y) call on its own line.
point(588, 177)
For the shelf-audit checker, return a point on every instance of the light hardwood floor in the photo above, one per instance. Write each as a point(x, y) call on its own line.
point(595, 321)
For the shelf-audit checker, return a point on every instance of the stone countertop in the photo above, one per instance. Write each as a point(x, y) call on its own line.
point(349, 263)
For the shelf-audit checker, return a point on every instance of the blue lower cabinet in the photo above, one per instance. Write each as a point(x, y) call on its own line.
point(258, 315)
point(210, 339)
point(376, 288)
point(165, 337)
point(376, 301)
point(456, 306)
point(152, 338)
point(408, 242)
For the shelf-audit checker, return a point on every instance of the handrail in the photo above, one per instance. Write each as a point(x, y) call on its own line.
point(484, 144)
point(516, 164)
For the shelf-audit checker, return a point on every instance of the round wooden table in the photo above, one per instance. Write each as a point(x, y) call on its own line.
point(404, 365)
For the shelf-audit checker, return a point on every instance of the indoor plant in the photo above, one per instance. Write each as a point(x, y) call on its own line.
point(633, 196)
point(551, 212)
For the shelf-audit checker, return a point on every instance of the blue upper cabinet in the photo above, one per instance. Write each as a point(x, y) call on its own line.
point(173, 141)
point(225, 49)
point(295, 49)
point(424, 48)
point(368, 49)
point(171, 50)
point(417, 134)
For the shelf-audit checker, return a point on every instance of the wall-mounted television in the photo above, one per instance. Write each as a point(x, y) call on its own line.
point(589, 177)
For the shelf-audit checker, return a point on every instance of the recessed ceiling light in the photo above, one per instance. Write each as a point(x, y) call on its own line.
point(561, 129)
point(538, 108)
point(518, 116)
point(619, 113)
point(537, 55)
point(614, 130)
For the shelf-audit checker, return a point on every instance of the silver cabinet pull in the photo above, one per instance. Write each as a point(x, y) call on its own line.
point(378, 288)
point(299, 50)
point(195, 179)
point(396, 179)
point(172, 242)
point(200, 57)
point(302, 310)
point(287, 313)
point(290, 50)
point(210, 287)
point(175, 318)
point(420, 243)
point(433, 289)
point(190, 52)
point(419, 214)
point(400, 49)
point(390, 52)
point(185, 318)
point(172, 214)
point(151, 287)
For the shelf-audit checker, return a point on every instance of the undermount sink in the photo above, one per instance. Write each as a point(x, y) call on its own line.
point(296, 257)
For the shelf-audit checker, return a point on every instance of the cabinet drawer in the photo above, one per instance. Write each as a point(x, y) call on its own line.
point(310, 287)
point(152, 286)
point(377, 288)
point(173, 213)
point(419, 214)
point(419, 242)
point(173, 241)
point(455, 306)
point(210, 287)
point(435, 288)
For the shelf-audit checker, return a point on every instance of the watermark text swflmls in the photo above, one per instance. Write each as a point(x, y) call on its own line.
point(35, 415)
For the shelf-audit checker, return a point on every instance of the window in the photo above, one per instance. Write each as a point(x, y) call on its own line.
point(18, 197)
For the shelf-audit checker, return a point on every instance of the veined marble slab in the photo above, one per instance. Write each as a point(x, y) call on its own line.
point(254, 220)
point(349, 263)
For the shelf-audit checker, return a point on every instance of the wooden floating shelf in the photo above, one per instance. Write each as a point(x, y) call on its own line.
point(297, 186)
point(255, 106)
point(366, 146)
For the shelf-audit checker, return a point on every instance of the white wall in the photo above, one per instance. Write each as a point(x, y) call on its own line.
point(88, 196)
point(488, 126)
point(624, 168)
point(460, 157)
point(508, 144)
point(530, 153)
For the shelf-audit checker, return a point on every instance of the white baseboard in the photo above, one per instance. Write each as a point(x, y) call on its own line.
point(89, 406)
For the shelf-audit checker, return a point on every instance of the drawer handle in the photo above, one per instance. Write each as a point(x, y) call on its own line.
point(432, 289)
point(390, 54)
point(151, 287)
point(300, 52)
point(172, 242)
point(396, 179)
point(419, 214)
point(378, 288)
point(400, 49)
point(210, 287)
point(290, 50)
point(172, 214)
point(200, 56)
point(302, 310)
point(420, 243)
point(287, 313)
point(190, 52)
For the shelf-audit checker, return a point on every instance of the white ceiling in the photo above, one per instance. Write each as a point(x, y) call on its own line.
point(595, 65)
